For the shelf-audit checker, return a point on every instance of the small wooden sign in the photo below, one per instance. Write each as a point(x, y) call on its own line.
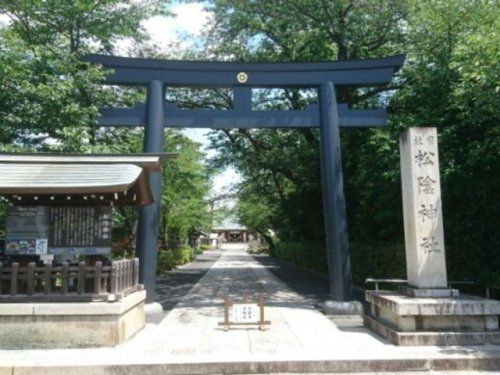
point(244, 313)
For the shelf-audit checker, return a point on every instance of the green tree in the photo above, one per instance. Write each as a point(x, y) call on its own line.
point(186, 183)
point(255, 212)
point(283, 166)
point(79, 24)
point(450, 80)
point(45, 94)
point(453, 82)
point(49, 98)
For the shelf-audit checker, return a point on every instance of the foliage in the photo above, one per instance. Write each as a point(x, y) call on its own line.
point(255, 212)
point(454, 81)
point(377, 260)
point(450, 80)
point(310, 255)
point(185, 185)
point(171, 258)
point(282, 30)
point(49, 101)
point(79, 23)
point(41, 96)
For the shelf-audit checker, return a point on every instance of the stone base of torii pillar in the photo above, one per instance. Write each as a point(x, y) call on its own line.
point(427, 311)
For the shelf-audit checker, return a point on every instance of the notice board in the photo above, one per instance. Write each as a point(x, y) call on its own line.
point(40, 230)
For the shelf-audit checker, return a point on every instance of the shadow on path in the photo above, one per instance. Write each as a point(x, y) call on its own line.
point(310, 285)
point(313, 286)
point(175, 284)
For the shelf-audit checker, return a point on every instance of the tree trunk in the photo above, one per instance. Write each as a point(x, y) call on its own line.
point(269, 241)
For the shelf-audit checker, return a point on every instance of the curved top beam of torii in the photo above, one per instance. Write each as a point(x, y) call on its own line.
point(136, 71)
point(242, 77)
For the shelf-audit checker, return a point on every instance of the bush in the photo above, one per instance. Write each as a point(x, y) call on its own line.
point(205, 247)
point(171, 258)
point(377, 260)
point(255, 247)
point(310, 255)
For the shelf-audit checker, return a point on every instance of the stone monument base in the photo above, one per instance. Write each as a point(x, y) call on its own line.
point(428, 293)
point(71, 325)
point(411, 321)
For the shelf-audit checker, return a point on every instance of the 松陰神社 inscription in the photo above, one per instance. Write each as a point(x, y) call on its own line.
point(424, 238)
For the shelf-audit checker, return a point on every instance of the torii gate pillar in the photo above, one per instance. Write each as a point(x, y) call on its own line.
point(334, 207)
point(149, 216)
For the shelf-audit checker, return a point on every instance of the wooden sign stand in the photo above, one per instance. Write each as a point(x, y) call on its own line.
point(228, 304)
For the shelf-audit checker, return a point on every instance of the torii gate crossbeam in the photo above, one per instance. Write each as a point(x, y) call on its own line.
point(156, 114)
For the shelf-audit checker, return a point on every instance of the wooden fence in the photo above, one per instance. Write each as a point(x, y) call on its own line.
point(69, 282)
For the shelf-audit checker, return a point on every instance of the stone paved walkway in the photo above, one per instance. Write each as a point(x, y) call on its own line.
point(174, 285)
point(311, 285)
point(300, 339)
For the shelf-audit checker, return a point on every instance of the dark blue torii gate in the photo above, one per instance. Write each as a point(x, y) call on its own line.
point(156, 114)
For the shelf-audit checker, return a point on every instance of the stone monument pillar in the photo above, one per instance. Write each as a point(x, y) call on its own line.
point(425, 311)
point(423, 218)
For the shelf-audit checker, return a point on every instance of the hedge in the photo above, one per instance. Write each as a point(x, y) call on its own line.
point(380, 260)
point(170, 258)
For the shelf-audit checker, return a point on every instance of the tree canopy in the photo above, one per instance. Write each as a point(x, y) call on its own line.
point(450, 81)
point(50, 100)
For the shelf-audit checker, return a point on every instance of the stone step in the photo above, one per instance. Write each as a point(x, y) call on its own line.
point(346, 366)
point(432, 338)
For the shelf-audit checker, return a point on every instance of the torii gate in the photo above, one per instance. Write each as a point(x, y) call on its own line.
point(156, 114)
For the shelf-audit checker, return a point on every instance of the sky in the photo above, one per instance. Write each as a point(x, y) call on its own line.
point(185, 30)
point(189, 20)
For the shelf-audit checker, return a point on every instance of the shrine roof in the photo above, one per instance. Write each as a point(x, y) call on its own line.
point(228, 224)
point(49, 177)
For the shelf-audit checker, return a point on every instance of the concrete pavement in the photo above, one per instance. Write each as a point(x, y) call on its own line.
point(300, 338)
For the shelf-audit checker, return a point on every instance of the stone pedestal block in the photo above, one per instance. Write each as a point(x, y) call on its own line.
point(429, 293)
point(406, 320)
point(71, 325)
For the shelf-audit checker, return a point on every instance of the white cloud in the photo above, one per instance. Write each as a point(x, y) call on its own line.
point(4, 20)
point(223, 181)
point(180, 31)
point(189, 21)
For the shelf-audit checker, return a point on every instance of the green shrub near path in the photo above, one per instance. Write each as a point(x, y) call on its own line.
point(377, 260)
point(310, 255)
point(171, 258)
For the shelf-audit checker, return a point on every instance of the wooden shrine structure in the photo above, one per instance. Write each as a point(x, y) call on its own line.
point(59, 286)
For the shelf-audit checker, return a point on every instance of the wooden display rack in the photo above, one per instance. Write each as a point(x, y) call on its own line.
point(245, 304)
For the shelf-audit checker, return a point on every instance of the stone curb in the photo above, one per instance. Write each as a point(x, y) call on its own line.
point(334, 366)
